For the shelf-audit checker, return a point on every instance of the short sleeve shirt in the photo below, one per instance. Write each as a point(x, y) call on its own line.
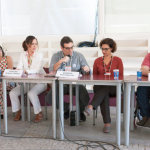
point(77, 62)
point(146, 61)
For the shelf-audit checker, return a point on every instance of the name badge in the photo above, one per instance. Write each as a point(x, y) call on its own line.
point(68, 68)
point(107, 73)
point(67, 74)
point(16, 73)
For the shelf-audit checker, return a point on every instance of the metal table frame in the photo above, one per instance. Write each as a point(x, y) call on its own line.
point(76, 82)
point(129, 86)
point(29, 80)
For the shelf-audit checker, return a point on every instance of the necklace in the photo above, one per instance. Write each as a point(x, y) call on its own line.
point(109, 66)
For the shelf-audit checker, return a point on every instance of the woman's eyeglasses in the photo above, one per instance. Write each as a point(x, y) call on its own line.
point(105, 49)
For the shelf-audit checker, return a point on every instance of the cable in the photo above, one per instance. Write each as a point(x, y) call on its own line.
point(90, 144)
point(73, 141)
point(100, 143)
point(87, 43)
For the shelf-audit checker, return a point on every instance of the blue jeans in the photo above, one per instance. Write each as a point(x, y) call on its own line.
point(143, 94)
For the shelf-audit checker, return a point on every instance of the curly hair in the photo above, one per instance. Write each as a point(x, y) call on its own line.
point(112, 44)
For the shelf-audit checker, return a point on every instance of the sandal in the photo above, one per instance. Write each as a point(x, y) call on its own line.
point(18, 116)
point(38, 117)
point(88, 111)
point(106, 129)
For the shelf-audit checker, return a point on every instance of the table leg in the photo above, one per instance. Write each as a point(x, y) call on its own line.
point(70, 97)
point(54, 109)
point(124, 105)
point(77, 106)
point(25, 104)
point(118, 123)
point(132, 108)
point(22, 101)
point(5, 105)
point(28, 103)
point(127, 115)
point(61, 108)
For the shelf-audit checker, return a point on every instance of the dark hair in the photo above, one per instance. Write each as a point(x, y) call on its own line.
point(65, 39)
point(3, 54)
point(28, 41)
point(112, 44)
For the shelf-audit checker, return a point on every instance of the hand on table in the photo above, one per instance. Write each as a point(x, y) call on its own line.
point(86, 69)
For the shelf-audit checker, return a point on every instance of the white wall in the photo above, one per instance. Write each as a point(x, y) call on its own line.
point(132, 47)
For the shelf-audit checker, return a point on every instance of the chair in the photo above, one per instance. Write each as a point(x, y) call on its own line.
point(46, 92)
point(45, 95)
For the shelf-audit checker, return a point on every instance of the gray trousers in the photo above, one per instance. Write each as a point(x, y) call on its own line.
point(83, 96)
point(101, 97)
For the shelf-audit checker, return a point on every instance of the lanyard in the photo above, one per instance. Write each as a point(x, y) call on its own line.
point(109, 66)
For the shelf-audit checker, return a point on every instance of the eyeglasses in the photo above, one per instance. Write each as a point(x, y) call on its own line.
point(68, 48)
point(105, 49)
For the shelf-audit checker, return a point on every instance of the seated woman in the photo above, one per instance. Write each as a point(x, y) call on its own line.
point(104, 66)
point(6, 62)
point(30, 59)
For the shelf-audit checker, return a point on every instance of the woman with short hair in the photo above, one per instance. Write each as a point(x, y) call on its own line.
point(104, 66)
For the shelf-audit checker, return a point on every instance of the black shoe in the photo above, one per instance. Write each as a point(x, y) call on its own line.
point(66, 114)
point(143, 121)
point(66, 107)
point(2, 116)
point(82, 117)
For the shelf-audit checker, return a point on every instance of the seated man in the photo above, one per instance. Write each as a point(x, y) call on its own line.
point(143, 93)
point(65, 59)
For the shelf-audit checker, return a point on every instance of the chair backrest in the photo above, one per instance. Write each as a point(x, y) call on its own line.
point(46, 69)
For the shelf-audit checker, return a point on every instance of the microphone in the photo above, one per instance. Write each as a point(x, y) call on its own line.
point(69, 57)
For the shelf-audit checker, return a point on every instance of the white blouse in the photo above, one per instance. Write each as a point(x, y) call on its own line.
point(37, 62)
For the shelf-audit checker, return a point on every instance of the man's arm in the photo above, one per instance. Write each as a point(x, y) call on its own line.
point(55, 62)
point(145, 70)
point(63, 60)
point(57, 65)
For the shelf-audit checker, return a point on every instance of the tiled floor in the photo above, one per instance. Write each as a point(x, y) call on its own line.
point(30, 135)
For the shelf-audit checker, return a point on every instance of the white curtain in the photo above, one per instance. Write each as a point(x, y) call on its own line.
point(127, 16)
point(48, 17)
